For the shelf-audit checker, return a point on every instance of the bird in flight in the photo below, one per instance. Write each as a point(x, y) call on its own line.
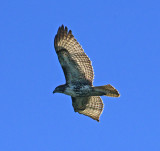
point(79, 76)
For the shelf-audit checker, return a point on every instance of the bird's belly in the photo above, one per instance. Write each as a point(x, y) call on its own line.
point(77, 91)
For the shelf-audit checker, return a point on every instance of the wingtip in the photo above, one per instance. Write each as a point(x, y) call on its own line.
point(98, 120)
point(64, 29)
point(70, 32)
point(118, 94)
point(60, 29)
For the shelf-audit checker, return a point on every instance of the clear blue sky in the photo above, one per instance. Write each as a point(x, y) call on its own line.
point(122, 38)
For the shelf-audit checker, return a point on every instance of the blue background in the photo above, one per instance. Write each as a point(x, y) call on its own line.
point(122, 38)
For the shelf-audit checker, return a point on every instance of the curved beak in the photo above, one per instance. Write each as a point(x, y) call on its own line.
point(54, 91)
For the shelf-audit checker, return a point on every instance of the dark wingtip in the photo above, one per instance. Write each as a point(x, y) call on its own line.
point(118, 95)
point(62, 27)
point(70, 32)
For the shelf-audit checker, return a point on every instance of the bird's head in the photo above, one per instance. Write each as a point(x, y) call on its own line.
point(59, 89)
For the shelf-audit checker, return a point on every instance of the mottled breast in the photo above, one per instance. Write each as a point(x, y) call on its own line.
point(78, 90)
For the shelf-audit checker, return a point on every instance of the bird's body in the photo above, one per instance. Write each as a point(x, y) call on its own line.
point(81, 90)
point(79, 76)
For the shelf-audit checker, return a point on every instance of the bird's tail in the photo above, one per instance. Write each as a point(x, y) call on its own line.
point(107, 90)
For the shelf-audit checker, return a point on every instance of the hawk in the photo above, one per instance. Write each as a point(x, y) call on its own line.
point(79, 76)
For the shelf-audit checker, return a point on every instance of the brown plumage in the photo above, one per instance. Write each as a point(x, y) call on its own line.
point(77, 64)
point(79, 76)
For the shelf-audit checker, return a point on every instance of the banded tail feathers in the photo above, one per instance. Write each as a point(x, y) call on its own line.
point(108, 90)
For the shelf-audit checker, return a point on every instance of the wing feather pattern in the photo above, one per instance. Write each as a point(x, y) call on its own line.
point(75, 63)
point(89, 106)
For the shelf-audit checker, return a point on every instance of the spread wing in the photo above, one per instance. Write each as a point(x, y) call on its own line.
point(89, 106)
point(75, 63)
